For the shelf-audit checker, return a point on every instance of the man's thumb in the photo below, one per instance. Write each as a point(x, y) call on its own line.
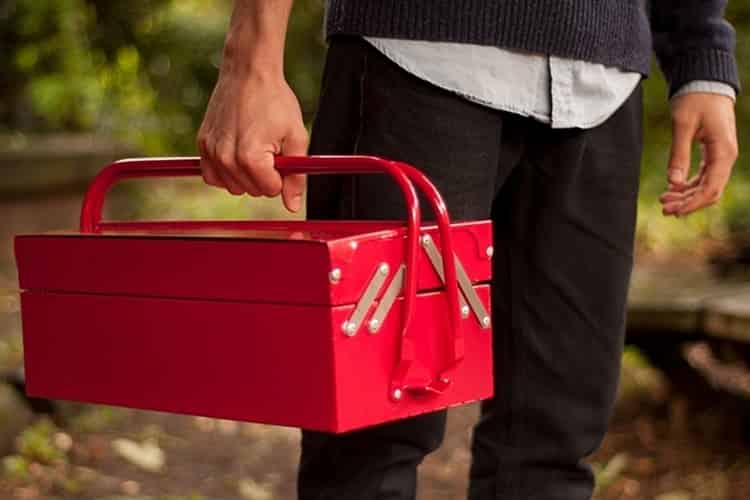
point(683, 133)
point(295, 144)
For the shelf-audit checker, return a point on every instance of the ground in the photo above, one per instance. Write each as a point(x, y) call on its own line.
point(654, 455)
point(662, 444)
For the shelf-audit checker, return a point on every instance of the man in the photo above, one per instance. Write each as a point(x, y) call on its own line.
point(527, 111)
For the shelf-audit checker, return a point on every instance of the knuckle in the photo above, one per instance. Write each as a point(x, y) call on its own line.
point(224, 158)
point(203, 144)
point(303, 137)
point(725, 155)
point(677, 163)
point(246, 159)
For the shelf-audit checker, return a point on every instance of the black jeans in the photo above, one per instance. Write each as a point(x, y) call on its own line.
point(563, 204)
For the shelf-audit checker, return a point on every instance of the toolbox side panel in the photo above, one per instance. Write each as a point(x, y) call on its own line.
point(359, 262)
point(262, 271)
point(255, 362)
point(365, 363)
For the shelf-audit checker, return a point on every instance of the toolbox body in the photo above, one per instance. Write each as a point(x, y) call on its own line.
point(323, 325)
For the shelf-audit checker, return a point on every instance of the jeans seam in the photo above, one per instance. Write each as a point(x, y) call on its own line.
point(518, 402)
point(361, 125)
point(360, 132)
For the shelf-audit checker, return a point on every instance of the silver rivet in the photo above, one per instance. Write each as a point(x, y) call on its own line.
point(465, 311)
point(490, 251)
point(397, 394)
point(373, 325)
point(384, 268)
point(353, 245)
point(335, 275)
point(486, 321)
point(446, 380)
point(349, 328)
point(425, 239)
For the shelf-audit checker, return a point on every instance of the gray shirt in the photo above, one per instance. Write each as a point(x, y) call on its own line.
point(562, 92)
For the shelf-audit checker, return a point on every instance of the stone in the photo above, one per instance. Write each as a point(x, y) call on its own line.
point(728, 317)
point(664, 301)
point(253, 490)
point(146, 455)
point(674, 495)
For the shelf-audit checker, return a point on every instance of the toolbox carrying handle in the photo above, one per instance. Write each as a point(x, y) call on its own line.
point(409, 374)
point(409, 371)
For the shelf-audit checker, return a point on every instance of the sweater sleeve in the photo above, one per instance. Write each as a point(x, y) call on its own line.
point(693, 41)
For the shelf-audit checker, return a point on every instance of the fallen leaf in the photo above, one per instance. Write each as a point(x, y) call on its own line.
point(253, 490)
point(146, 455)
point(611, 471)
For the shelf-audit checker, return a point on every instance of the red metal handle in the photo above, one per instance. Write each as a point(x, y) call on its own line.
point(403, 375)
point(91, 213)
point(409, 374)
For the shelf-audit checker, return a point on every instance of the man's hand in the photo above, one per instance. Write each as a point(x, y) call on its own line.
point(253, 115)
point(708, 119)
point(247, 123)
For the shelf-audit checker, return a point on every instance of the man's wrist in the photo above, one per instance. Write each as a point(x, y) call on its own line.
point(254, 46)
point(707, 87)
point(251, 61)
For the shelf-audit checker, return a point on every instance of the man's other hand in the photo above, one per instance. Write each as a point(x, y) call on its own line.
point(708, 119)
point(249, 120)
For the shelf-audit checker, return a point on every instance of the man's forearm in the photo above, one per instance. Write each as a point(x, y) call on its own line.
point(693, 41)
point(255, 40)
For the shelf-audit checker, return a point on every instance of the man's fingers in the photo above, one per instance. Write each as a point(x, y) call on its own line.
point(720, 158)
point(671, 196)
point(684, 127)
point(690, 183)
point(210, 176)
point(223, 161)
point(228, 181)
point(257, 163)
point(672, 208)
point(212, 170)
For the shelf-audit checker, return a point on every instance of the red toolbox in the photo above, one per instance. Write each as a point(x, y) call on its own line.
point(324, 325)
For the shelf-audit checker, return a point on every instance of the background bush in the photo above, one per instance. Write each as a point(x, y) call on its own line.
point(142, 71)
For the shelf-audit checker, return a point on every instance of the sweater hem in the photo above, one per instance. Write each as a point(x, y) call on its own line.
point(610, 33)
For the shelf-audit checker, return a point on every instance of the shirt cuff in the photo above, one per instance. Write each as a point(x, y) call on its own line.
point(707, 86)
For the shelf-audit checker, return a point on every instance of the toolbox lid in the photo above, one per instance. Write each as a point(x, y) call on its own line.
point(307, 262)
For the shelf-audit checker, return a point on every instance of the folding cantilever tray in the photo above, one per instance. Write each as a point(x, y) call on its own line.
point(325, 325)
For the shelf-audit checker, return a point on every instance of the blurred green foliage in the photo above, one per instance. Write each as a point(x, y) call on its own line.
point(140, 70)
point(143, 70)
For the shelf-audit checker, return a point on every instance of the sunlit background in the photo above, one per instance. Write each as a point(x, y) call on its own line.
point(83, 82)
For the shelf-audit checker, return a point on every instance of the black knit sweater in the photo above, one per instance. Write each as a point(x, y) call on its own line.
point(691, 38)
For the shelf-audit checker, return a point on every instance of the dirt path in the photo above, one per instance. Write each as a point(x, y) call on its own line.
point(211, 460)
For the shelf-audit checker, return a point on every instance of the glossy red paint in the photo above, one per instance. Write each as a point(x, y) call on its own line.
point(241, 319)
